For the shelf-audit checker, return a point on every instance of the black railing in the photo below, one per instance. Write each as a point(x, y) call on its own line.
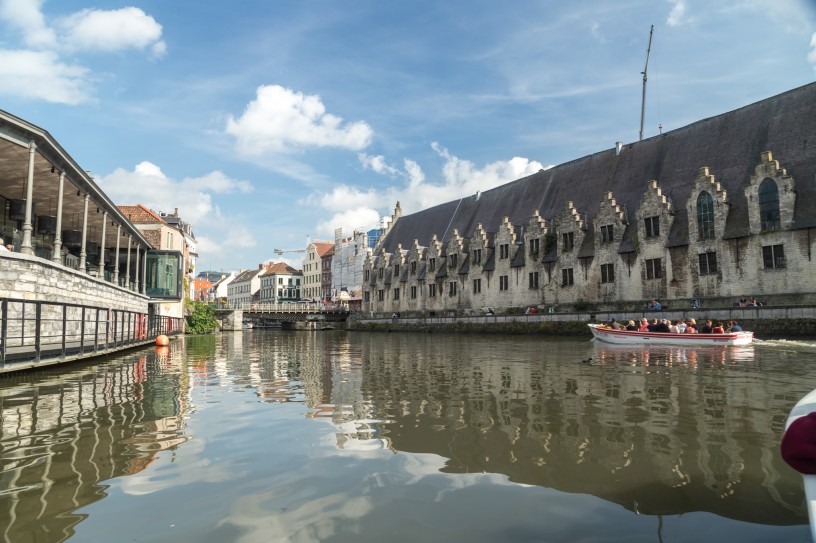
point(32, 331)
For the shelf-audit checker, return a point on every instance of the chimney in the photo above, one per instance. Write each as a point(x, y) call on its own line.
point(176, 213)
point(618, 147)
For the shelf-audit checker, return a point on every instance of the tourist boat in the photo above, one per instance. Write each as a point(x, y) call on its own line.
point(803, 407)
point(629, 337)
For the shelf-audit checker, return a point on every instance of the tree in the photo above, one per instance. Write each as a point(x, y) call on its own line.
point(202, 319)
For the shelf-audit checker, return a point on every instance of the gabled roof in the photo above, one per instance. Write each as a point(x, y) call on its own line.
point(281, 267)
point(247, 275)
point(730, 144)
point(139, 214)
point(322, 248)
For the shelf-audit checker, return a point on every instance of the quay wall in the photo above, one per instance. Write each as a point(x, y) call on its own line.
point(35, 279)
point(791, 321)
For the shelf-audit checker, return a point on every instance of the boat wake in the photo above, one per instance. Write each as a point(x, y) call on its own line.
point(786, 343)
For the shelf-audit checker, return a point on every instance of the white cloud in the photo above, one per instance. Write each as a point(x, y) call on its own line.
point(112, 30)
point(677, 16)
point(377, 164)
point(812, 53)
point(27, 17)
point(282, 120)
point(40, 75)
point(351, 207)
point(148, 185)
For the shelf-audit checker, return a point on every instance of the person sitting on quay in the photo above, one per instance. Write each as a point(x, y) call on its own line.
point(654, 305)
point(707, 327)
point(743, 301)
point(752, 302)
point(632, 327)
point(733, 326)
point(644, 325)
point(718, 328)
point(531, 311)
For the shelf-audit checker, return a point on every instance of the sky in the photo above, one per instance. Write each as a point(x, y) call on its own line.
point(270, 123)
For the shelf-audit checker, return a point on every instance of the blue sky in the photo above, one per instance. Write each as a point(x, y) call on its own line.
point(265, 122)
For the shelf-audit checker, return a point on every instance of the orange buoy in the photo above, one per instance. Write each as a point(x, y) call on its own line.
point(162, 340)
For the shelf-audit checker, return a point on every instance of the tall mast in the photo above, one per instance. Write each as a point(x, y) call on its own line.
point(645, 69)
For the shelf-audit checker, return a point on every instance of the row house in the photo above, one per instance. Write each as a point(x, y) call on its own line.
point(313, 269)
point(244, 289)
point(350, 255)
point(690, 215)
point(280, 283)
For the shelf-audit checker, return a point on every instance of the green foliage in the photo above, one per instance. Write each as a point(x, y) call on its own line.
point(201, 319)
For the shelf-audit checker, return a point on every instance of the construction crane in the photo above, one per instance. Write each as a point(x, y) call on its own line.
point(282, 251)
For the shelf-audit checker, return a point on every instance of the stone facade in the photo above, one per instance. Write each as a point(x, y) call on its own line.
point(616, 259)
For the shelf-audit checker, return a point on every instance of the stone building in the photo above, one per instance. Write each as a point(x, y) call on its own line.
point(350, 255)
point(722, 208)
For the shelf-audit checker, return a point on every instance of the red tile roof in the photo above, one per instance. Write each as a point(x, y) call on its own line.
point(139, 214)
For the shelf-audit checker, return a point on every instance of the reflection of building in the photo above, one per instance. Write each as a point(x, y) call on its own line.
point(88, 427)
point(670, 442)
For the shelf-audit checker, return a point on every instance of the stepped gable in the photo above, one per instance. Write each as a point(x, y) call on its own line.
point(730, 145)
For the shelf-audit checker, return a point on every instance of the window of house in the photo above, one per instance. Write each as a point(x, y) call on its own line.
point(382, 272)
point(607, 273)
point(477, 286)
point(396, 270)
point(431, 264)
point(381, 295)
point(708, 263)
point(432, 290)
point(607, 233)
point(653, 268)
point(366, 275)
point(773, 256)
point(367, 296)
point(533, 280)
point(452, 258)
point(504, 282)
point(452, 288)
point(504, 251)
point(566, 277)
point(568, 241)
point(652, 226)
point(413, 292)
point(477, 256)
point(396, 294)
point(769, 205)
point(533, 246)
point(413, 267)
point(705, 216)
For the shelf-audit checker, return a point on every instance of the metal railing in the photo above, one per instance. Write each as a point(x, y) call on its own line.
point(31, 331)
point(295, 307)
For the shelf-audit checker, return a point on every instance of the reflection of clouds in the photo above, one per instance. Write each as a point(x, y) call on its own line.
point(315, 520)
point(165, 472)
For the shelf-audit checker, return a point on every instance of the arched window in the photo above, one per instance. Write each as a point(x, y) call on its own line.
point(769, 205)
point(705, 216)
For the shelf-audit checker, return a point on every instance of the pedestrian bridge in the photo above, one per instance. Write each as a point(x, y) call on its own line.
point(289, 313)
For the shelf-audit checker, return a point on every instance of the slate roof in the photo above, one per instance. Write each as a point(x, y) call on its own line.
point(730, 144)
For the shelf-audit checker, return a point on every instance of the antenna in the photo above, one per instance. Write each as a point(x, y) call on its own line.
point(645, 69)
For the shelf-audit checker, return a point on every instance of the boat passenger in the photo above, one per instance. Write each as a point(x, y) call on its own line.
point(681, 326)
point(673, 328)
point(652, 327)
point(644, 325)
point(706, 329)
point(718, 328)
point(632, 326)
point(734, 327)
point(691, 327)
point(662, 326)
point(615, 325)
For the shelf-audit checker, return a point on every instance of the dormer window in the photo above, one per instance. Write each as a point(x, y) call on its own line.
point(477, 256)
point(652, 226)
point(504, 251)
point(452, 259)
point(568, 240)
point(769, 205)
point(607, 233)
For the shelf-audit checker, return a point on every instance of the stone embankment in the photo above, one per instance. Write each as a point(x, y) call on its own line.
point(792, 321)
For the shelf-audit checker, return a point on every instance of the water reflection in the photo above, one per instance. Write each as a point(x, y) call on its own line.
point(320, 434)
point(68, 433)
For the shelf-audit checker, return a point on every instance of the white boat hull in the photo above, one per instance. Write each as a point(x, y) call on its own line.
point(628, 337)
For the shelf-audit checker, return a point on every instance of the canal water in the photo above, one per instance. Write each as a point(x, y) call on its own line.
point(333, 436)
